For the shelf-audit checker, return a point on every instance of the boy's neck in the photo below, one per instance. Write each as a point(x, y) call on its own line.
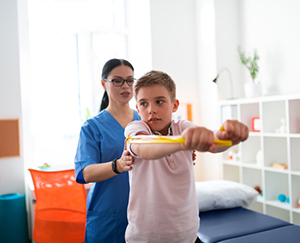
point(166, 131)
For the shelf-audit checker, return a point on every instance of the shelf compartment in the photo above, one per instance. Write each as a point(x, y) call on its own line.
point(285, 171)
point(252, 165)
point(295, 154)
point(258, 207)
point(247, 112)
point(296, 218)
point(260, 199)
point(231, 173)
point(229, 112)
point(249, 150)
point(276, 183)
point(275, 150)
point(278, 213)
point(297, 173)
point(273, 112)
point(254, 134)
point(231, 162)
point(294, 116)
point(277, 204)
point(252, 177)
point(278, 143)
point(295, 191)
point(226, 153)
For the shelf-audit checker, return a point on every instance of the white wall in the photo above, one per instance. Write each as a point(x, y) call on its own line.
point(174, 44)
point(12, 169)
point(271, 27)
point(228, 25)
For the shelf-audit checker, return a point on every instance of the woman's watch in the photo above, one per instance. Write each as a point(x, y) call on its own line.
point(114, 166)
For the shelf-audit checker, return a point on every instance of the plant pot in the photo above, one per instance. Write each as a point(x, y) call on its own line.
point(252, 89)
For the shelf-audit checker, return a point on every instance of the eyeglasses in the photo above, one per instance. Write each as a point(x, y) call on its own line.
point(118, 82)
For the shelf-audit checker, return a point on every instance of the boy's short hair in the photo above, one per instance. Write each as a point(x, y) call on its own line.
point(153, 78)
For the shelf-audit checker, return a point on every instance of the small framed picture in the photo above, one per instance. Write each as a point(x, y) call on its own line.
point(184, 112)
point(9, 138)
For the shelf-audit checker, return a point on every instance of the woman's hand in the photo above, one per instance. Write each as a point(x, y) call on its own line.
point(125, 162)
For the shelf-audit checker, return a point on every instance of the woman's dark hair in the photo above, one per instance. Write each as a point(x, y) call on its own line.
point(108, 66)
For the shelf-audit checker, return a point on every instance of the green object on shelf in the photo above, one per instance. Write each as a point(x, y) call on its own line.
point(44, 166)
point(250, 62)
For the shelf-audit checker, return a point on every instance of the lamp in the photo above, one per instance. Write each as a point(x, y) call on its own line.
point(230, 79)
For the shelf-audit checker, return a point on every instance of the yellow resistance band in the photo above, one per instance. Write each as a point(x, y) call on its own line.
point(148, 139)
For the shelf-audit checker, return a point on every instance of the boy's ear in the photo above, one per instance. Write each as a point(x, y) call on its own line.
point(175, 105)
point(137, 108)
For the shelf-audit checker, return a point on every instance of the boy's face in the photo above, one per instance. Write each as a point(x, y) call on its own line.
point(155, 107)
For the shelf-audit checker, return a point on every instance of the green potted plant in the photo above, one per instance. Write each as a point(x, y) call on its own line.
point(253, 88)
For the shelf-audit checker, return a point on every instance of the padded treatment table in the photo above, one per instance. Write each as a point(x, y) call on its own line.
point(288, 234)
point(238, 224)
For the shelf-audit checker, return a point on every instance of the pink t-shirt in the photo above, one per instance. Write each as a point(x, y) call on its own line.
point(162, 203)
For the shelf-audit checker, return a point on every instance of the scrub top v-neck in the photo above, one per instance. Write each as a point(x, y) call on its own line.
point(102, 140)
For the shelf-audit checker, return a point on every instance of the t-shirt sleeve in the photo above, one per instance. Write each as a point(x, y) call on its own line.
point(136, 126)
point(132, 129)
point(88, 152)
point(184, 124)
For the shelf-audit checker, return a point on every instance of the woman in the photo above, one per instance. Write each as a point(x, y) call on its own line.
point(100, 157)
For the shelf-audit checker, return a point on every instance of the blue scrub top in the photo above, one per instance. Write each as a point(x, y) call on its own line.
point(102, 140)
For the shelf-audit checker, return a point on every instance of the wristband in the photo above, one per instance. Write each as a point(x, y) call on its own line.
point(114, 166)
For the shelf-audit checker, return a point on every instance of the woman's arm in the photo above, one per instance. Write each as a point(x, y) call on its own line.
point(98, 172)
point(103, 171)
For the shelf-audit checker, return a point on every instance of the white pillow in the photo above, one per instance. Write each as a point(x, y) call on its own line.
point(222, 194)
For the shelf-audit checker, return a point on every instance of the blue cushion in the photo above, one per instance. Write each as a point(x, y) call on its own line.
point(289, 234)
point(220, 225)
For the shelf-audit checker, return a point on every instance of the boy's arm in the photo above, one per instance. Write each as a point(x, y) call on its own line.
point(147, 151)
point(196, 138)
point(154, 151)
point(231, 130)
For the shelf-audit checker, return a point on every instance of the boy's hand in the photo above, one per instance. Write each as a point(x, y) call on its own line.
point(233, 130)
point(198, 138)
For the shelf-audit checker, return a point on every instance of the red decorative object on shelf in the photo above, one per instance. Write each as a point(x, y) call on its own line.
point(256, 124)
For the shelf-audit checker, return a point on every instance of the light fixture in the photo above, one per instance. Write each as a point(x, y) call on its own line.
point(230, 79)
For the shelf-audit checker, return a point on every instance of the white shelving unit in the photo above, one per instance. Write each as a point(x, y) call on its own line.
point(275, 145)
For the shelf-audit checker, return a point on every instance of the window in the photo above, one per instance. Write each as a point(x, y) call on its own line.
point(100, 54)
point(70, 40)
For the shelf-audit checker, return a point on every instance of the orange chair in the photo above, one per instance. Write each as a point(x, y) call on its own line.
point(60, 213)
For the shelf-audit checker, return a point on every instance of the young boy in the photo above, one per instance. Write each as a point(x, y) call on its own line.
point(162, 203)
